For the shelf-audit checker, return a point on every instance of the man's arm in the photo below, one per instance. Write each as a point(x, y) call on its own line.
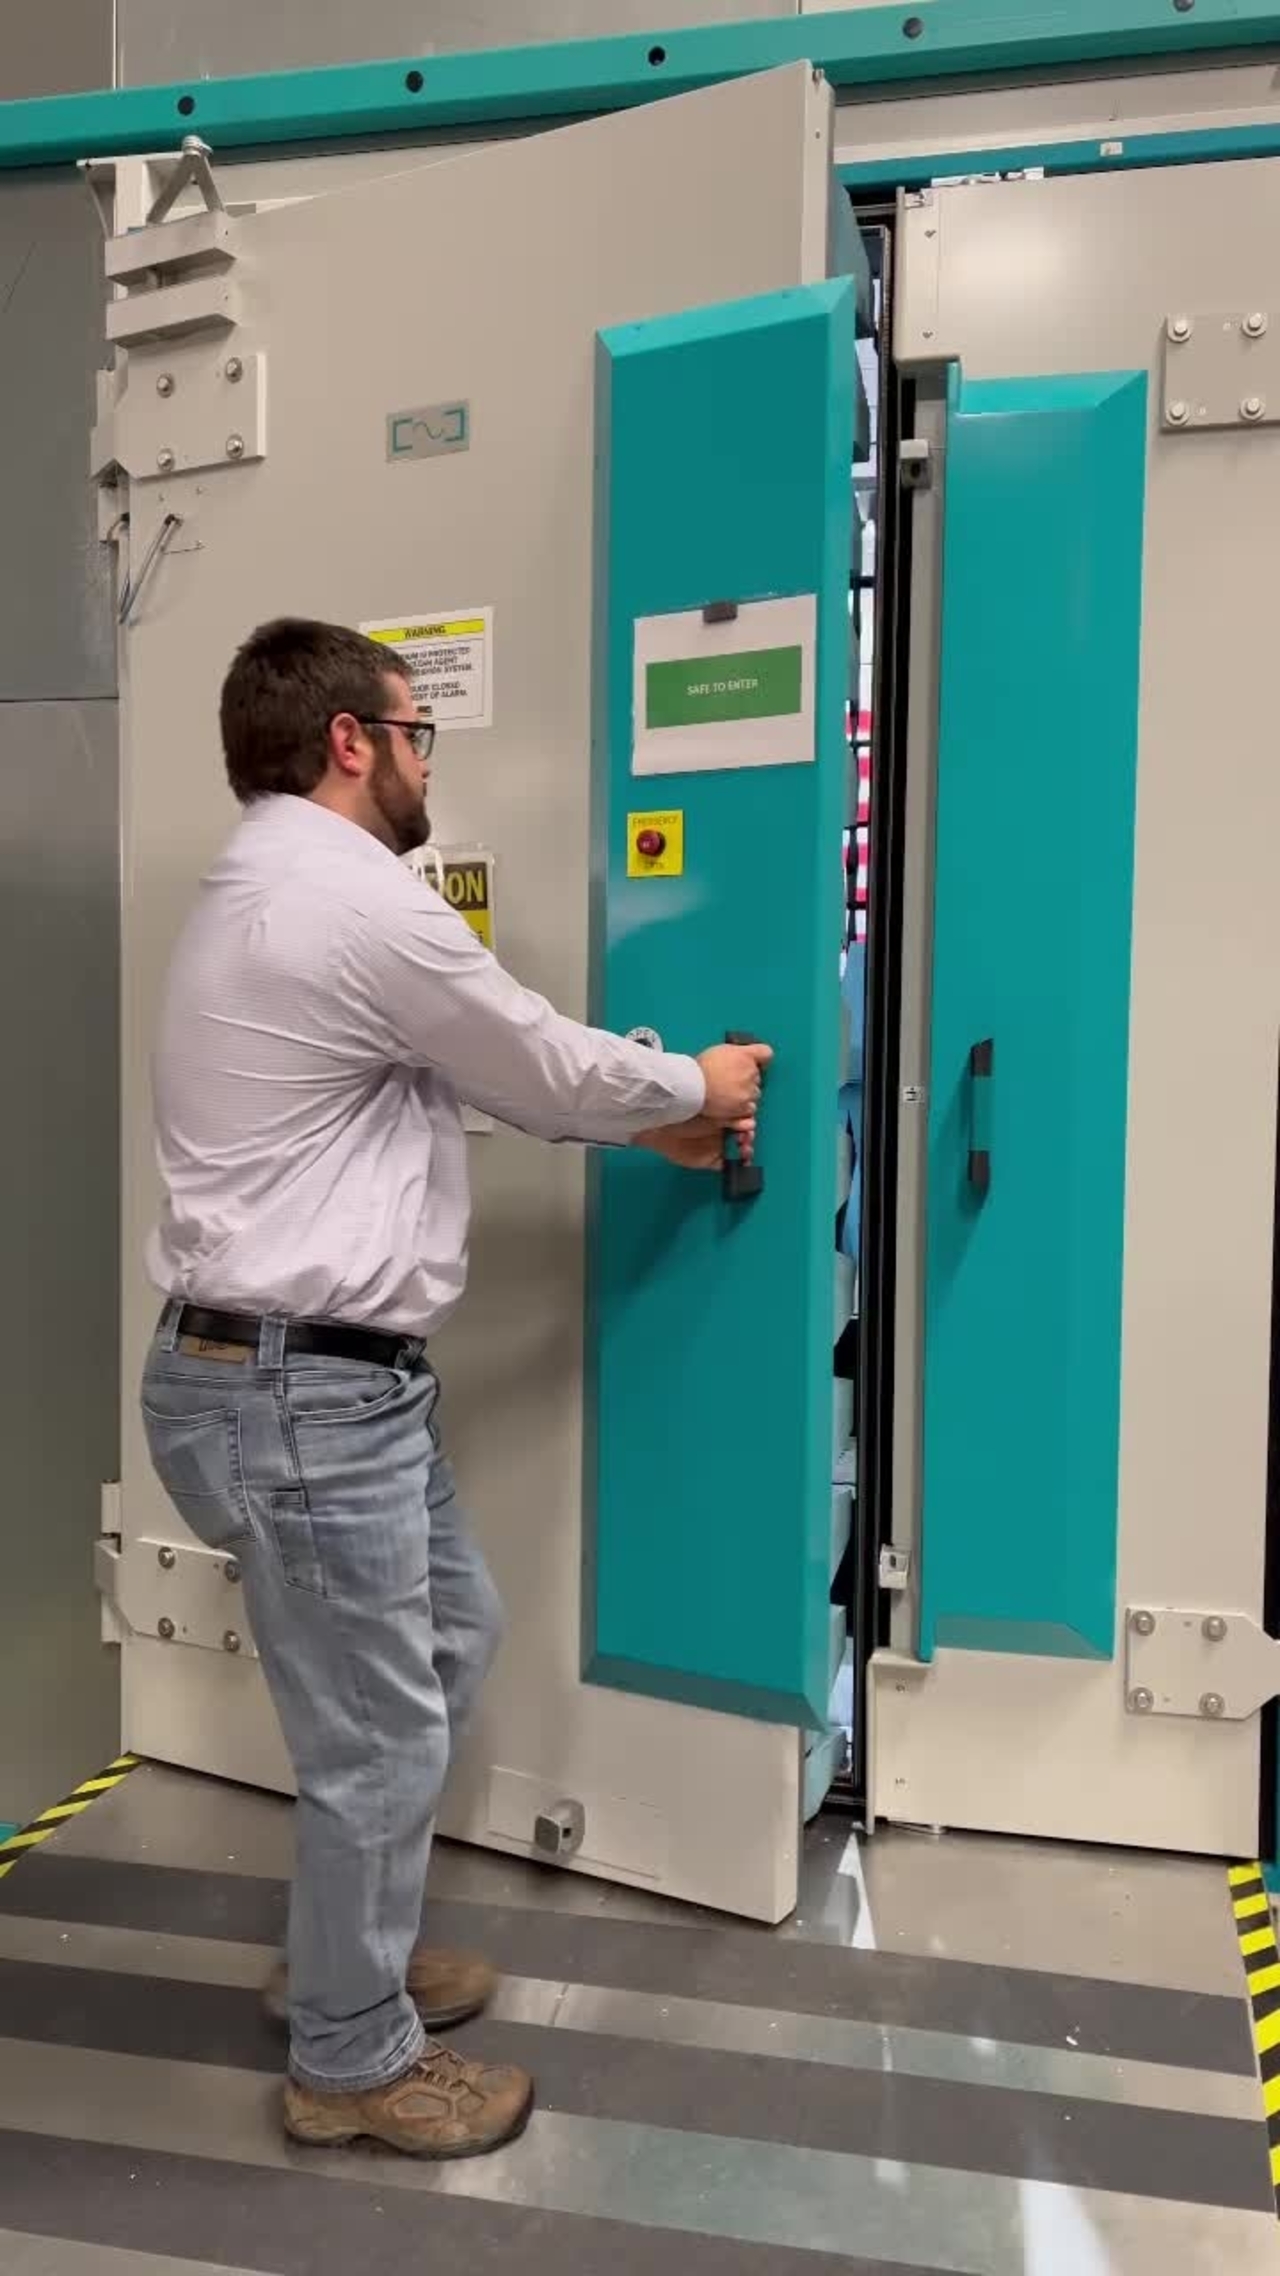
point(446, 1003)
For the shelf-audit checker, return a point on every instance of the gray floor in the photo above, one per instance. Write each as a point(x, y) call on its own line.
point(977, 2057)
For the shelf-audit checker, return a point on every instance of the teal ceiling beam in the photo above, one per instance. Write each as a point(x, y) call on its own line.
point(923, 43)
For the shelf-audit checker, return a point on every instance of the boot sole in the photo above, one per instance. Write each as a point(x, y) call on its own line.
point(339, 2139)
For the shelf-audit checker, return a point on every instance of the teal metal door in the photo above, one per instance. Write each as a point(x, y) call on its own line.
point(724, 499)
point(1037, 754)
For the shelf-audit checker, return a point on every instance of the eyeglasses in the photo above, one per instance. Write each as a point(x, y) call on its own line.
point(421, 733)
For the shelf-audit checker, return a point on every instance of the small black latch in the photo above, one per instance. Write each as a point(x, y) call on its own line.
point(720, 612)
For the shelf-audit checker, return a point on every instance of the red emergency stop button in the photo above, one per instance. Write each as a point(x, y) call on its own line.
point(651, 843)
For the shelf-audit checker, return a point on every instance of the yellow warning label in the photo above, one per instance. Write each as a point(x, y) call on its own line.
point(467, 887)
point(461, 628)
point(655, 845)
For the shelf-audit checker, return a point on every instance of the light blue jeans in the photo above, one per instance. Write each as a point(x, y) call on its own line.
point(376, 1622)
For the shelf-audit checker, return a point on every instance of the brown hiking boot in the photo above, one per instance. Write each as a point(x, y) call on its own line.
point(445, 1987)
point(442, 2108)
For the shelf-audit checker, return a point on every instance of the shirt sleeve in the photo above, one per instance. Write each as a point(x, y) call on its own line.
point(446, 1003)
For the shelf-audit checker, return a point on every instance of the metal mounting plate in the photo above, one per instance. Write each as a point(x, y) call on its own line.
point(1220, 370)
point(181, 410)
point(183, 1595)
point(1218, 1666)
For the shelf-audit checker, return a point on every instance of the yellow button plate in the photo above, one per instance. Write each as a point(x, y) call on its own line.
point(670, 861)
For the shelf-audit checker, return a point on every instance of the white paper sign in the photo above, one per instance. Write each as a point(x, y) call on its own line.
point(450, 661)
point(735, 693)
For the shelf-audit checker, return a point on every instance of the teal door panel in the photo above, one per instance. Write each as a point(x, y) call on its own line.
point(723, 479)
point(1037, 760)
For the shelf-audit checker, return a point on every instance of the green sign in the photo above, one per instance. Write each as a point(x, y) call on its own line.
point(763, 683)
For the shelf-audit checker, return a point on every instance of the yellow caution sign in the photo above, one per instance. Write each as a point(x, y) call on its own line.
point(655, 845)
point(466, 883)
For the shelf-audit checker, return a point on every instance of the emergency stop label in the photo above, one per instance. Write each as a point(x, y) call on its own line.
point(449, 657)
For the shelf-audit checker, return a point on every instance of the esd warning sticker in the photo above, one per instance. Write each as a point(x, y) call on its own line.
point(449, 658)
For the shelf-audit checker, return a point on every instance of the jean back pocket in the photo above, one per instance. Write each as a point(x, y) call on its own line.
point(195, 1451)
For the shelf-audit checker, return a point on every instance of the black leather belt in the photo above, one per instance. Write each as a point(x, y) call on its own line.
point(326, 1339)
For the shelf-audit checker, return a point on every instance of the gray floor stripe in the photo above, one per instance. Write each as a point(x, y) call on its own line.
point(699, 2090)
point(24, 2255)
point(299, 2224)
point(688, 2022)
point(652, 2177)
point(705, 1961)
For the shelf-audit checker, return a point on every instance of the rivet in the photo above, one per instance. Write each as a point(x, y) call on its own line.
point(913, 29)
point(1179, 327)
point(1178, 414)
point(1141, 1701)
point(166, 461)
point(231, 1642)
point(235, 446)
point(1183, 7)
point(164, 385)
point(1253, 406)
point(167, 1559)
point(166, 1631)
point(1214, 1629)
point(1213, 1705)
point(1256, 324)
point(231, 1569)
point(1143, 1623)
point(234, 368)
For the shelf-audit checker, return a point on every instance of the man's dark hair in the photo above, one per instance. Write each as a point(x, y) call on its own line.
point(290, 679)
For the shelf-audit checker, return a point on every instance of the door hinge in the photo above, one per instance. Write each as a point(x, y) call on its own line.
point(895, 1568)
point(1220, 371)
point(1219, 1667)
point(106, 1561)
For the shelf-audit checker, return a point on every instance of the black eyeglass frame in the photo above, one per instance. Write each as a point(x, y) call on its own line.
point(415, 729)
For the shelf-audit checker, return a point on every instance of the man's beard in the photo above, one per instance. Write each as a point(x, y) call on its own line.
point(405, 816)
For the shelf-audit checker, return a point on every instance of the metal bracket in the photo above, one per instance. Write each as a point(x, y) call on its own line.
point(187, 408)
point(915, 464)
point(895, 1568)
point(1220, 371)
point(182, 1595)
point(1220, 1667)
point(191, 170)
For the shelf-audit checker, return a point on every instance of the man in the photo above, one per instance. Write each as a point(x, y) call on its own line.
point(325, 1014)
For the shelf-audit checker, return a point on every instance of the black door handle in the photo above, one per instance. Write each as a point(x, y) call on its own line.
point(739, 1180)
point(982, 1067)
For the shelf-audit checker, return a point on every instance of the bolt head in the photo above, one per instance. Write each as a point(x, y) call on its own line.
point(164, 385)
point(1141, 1701)
point(232, 1569)
point(166, 1631)
point(1213, 1705)
point(1143, 1623)
point(231, 1642)
point(1178, 414)
point(1179, 327)
point(1253, 406)
point(234, 368)
point(166, 461)
point(1214, 1629)
point(167, 1559)
point(1256, 324)
point(235, 446)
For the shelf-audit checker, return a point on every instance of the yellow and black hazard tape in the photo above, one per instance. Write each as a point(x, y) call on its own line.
point(20, 1844)
point(1256, 1931)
